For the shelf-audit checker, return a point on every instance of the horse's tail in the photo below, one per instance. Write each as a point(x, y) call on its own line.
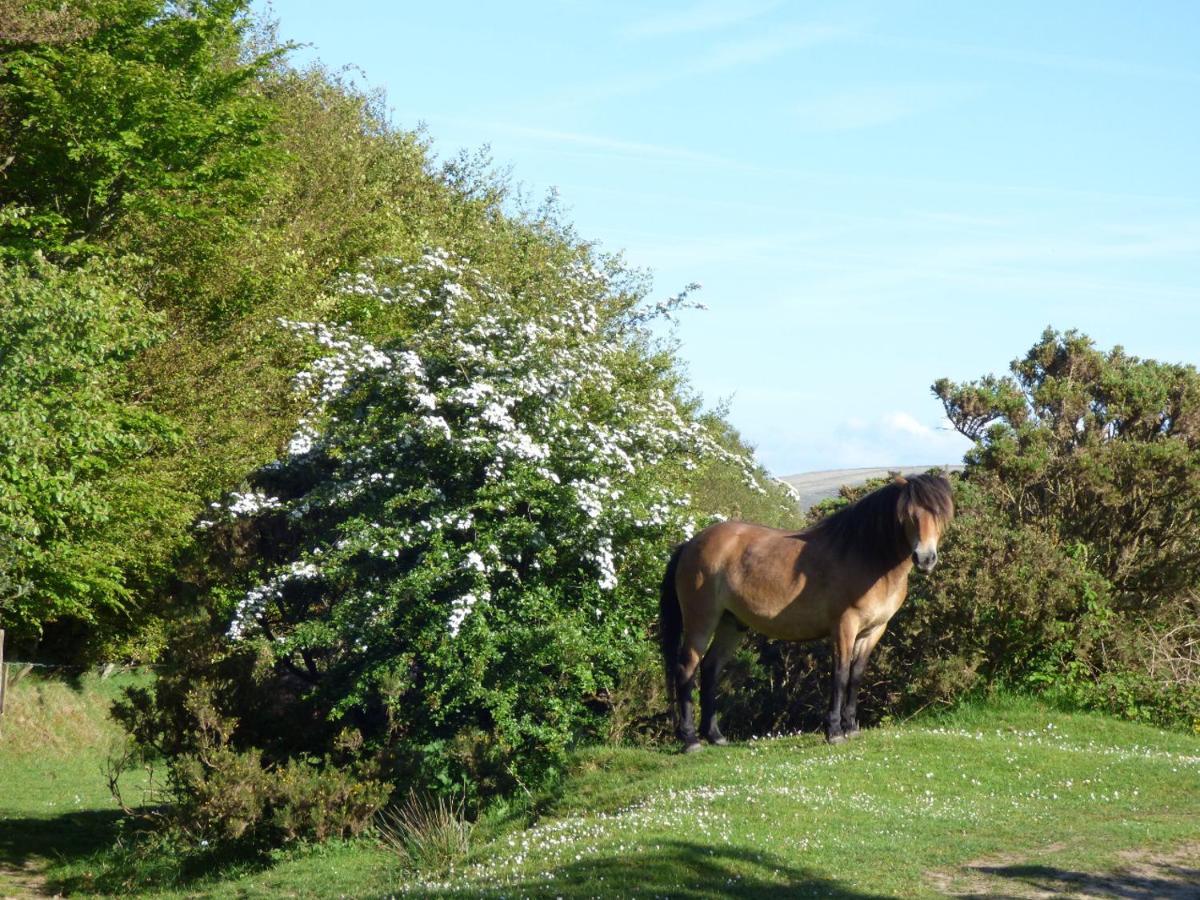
point(670, 624)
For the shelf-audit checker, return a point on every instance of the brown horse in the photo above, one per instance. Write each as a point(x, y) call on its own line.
point(844, 578)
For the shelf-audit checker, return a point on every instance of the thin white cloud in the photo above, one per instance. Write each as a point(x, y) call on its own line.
point(765, 47)
point(706, 16)
point(1065, 61)
point(722, 57)
point(873, 105)
point(610, 145)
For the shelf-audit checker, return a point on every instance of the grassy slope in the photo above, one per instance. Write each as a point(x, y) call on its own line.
point(55, 803)
point(1012, 780)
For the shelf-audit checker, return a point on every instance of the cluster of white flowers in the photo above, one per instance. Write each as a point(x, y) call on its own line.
point(504, 389)
point(459, 610)
point(249, 503)
point(328, 375)
point(239, 505)
point(251, 606)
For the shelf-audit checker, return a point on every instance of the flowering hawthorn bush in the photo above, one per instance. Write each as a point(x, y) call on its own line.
point(471, 522)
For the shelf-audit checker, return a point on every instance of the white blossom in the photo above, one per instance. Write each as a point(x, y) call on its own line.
point(535, 403)
point(460, 609)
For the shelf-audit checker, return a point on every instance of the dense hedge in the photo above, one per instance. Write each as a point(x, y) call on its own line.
point(1070, 569)
point(169, 148)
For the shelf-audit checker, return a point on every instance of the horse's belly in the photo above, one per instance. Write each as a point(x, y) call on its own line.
point(803, 619)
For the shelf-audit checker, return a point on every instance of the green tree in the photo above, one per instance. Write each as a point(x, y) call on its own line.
point(1099, 450)
point(72, 518)
point(146, 109)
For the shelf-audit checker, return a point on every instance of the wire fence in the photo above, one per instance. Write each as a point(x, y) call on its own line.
point(13, 670)
point(100, 668)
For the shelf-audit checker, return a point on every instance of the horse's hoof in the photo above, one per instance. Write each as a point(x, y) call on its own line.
point(719, 741)
point(853, 734)
point(835, 739)
point(694, 747)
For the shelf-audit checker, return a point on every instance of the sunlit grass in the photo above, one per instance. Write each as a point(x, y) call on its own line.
point(880, 816)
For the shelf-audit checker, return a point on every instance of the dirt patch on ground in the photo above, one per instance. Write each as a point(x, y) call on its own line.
point(1172, 874)
point(22, 882)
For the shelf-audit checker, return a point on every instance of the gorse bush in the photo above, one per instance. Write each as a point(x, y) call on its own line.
point(1099, 450)
point(1070, 568)
point(1097, 455)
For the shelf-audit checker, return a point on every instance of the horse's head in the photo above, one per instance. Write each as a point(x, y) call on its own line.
point(925, 507)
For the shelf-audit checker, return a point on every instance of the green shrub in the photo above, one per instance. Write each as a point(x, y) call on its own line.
point(450, 571)
point(1100, 454)
point(1101, 451)
point(1071, 568)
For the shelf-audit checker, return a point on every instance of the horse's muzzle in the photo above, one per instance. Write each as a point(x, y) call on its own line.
point(925, 561)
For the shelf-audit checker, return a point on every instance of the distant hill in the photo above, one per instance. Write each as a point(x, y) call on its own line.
point(813, 487)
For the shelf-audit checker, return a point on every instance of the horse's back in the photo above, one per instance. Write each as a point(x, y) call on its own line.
point(761, 575)
point(726, 545)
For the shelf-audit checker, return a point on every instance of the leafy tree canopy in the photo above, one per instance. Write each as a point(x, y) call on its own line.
point(143, 107)
point(1100, 449)
point(67, 427)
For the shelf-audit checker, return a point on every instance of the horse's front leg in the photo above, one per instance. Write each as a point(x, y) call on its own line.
point(843, 639)
point(862, 653)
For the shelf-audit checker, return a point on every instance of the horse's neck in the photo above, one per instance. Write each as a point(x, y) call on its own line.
point(899, 573)
point(890, 567)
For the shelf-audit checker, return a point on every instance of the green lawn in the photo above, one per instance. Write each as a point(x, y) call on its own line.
point(1001, 797)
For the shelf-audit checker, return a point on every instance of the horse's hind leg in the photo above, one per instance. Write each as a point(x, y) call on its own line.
point(697, 633)
point(685, 686)
point(725, 641)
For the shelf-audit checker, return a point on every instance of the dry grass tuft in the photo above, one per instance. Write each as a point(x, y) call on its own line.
point(429, 833)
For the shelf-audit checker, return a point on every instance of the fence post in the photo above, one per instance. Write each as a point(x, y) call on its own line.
point(3, 672)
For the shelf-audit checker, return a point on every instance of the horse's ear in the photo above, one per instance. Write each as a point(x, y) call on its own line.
point(897, 478)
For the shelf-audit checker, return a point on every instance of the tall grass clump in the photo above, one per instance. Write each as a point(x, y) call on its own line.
point(428, 833)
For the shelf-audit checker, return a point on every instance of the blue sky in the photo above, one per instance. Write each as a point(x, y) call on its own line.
point(873, 195)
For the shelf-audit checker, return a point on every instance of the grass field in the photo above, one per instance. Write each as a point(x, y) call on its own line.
point(1009, 797)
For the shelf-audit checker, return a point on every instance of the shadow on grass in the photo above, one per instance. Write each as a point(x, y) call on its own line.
point(109, 852)
point(676, 869)
point(31, 846)
point(1156, 881)
point(27, 842)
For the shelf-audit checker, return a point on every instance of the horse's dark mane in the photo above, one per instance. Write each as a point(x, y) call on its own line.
point(873, 527)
